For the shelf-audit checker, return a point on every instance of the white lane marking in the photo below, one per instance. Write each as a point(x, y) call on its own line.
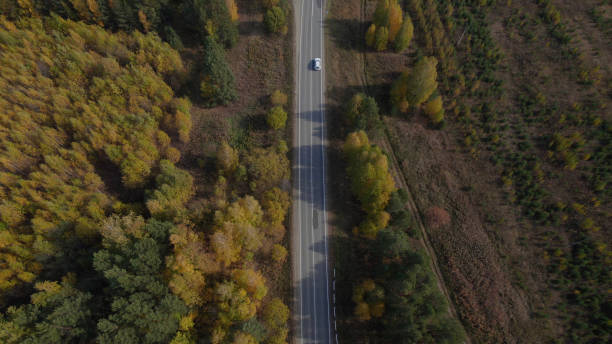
point(323, 136)
point(300, 176)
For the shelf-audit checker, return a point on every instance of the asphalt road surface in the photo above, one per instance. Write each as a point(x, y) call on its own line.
point(312, 320)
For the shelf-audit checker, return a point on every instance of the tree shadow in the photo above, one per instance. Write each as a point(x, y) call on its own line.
point(251, 28)
point(314, 317)
point(249, 7)
point(348, 34)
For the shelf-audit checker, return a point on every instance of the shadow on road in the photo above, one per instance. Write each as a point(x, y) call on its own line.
point(316, 305)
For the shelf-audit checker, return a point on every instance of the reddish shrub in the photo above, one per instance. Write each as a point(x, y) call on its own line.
point(437, 217)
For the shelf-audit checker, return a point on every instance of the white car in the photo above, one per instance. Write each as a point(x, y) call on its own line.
point(316, 64)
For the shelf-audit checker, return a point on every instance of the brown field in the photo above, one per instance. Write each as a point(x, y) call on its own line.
point(494, 259)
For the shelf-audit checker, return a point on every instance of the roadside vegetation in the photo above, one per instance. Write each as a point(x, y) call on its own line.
point(394, 292)
point(497, 115)
point(113, 227)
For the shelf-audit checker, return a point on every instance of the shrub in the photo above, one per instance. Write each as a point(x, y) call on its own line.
point(278, 98)
point(437, 217)
point(275, 20)
point(277, 118)
point(279, 253)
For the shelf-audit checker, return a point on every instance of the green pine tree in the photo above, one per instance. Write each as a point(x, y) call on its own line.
point(217, 85)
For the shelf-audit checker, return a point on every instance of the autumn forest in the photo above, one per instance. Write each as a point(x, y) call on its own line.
point(100, 240)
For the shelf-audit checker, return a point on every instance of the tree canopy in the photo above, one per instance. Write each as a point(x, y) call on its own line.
point(103, 237)
point(389, 25)
point(132, 261)
point(80, 98)
point(371, 181)
point(277, 118)
point(58, 313)
point(361, 113)
point(217, 84)
point(142, 15)
point(415, 86)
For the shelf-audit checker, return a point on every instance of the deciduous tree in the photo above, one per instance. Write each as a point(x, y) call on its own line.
point(252, 281)
point(237, 229)
point(189, 264)
point(382, 38)
point(395, 18)
point(275, 20)
point(278, 98)
point(267, 168)
point(174, 187)
point(371, 181)
point(277, 118)
point(362, 113)
point(417, 85)
point(404, 36)
point(369, 300)
point(227, 158)
point(275, 203)
point(279, 253)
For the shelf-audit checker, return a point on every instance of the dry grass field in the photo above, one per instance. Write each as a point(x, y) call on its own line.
point(522, 163)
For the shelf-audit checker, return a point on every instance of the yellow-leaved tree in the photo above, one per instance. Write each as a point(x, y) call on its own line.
point(371, 181)
point(369, 300)
point(237, 230)
point(189, 265)
point(389, 25)
point(87, 112)
point(416, 85)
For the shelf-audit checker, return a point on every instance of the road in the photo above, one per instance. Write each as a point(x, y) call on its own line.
point(312, 308)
